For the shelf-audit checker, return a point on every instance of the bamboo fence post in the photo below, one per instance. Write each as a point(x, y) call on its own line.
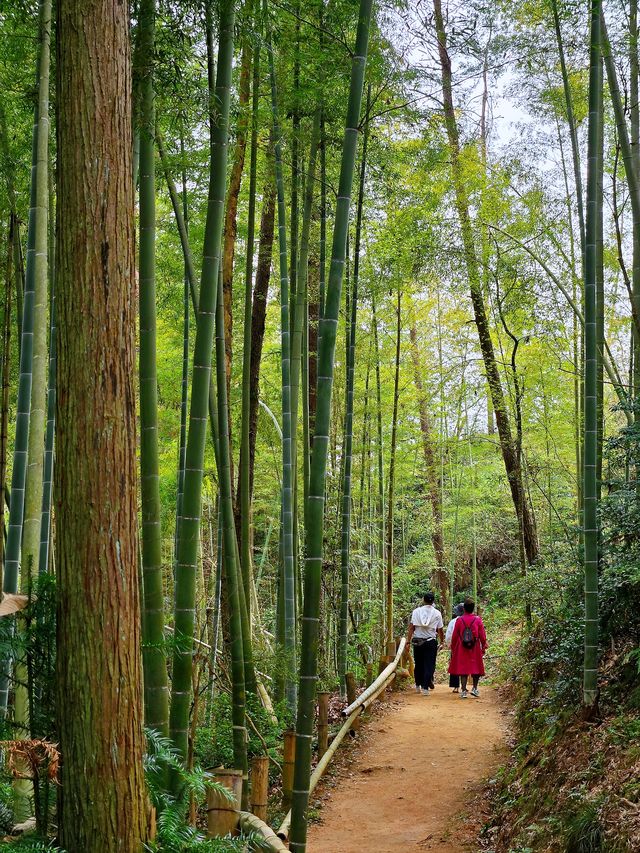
point(350, 680)
point(259, 785)
point(223, 814)
point(323, 723)
point(288, 763)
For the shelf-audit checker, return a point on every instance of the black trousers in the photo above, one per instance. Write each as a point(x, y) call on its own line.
point(424, 657)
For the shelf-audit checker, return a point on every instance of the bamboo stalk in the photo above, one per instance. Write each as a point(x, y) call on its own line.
point(288, 762)
point(323, 722)
point(259, 785)
point(189, 522)
point(223, 811)
point(269, 841)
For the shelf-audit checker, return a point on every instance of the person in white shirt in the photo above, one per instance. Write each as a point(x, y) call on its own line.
point(425, 628)
point(458, 610)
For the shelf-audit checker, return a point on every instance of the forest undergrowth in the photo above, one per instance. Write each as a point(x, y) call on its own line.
point(572, 785)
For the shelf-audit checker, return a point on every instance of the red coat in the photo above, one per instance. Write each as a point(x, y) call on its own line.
point(468, 661)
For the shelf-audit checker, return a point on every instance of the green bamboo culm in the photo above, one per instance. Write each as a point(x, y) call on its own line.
point(314, 510)
point(230, 563)
point(40, 357)
point(184, 382)
point(36, 275)
point(189, 521)
point(590, 508)
point(47, 485)
point(245, 484)
point(156, 692)
point(345, 535)
point(288, 567)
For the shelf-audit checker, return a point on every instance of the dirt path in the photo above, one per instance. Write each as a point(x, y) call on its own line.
point(413, 777)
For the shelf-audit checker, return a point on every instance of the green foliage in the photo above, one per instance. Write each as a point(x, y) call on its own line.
point(584, 833)
point(214, 747)
point(174, 833)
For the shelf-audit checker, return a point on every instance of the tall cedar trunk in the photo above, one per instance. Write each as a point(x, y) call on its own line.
point(519, 496)
point(259, 314)
point(593, 235)
point(434, 486)
point(156, 695)
point(102, 801)
point(315, 505)
point(392, 483)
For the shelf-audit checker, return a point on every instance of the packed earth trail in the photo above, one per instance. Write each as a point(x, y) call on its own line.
point(420, 767)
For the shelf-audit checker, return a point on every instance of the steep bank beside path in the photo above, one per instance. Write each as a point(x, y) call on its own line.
point(419, 767)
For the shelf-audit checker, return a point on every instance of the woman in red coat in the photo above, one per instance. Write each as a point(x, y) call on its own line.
point(468, 645)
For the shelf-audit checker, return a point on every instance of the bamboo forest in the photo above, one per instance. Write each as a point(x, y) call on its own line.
point(320, 414)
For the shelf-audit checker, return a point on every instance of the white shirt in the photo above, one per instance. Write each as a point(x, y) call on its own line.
point(448, 636)
point(426, 621)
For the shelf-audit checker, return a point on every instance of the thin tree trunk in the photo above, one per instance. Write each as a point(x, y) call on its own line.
point(259, 313)
point(434, 486)
point(389, 634)
point(244, 487)
point(590, 511)
point(345, 539)
point(103, 802)
point(507, 446)
point(380, 455)
point(231, 565)
point(231, 209)
point(571, 122)
point(634, 112)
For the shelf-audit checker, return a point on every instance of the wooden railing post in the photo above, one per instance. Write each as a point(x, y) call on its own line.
point(289, 759)
point(223, 814)
point(350, 680)
point(260, 785)
point(323, 723)
point(369, 678)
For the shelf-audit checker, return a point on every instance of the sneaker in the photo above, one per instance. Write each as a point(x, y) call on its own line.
point(463, 694)
point(475, 692)
point(418, 689)
point(425, 691)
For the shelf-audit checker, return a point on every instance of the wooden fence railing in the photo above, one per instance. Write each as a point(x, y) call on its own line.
point(249, 822)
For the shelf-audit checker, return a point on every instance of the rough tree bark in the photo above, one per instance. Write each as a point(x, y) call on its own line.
point(103, 800)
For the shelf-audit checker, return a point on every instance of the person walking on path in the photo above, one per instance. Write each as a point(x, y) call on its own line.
point(468, 645)
point(425, 628)
point(458, 610)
